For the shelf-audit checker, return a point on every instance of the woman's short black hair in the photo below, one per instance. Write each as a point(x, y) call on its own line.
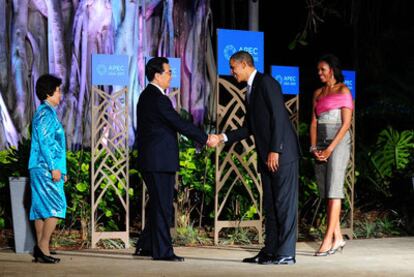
point(46, 85)
point(335, 64)
point(155, 65)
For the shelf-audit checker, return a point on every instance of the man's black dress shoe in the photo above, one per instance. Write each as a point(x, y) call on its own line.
point(142, 252)
point(260, 256)
point(173, 258)
point(289, 260)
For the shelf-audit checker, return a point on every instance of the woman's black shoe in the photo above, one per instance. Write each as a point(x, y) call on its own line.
point(39, 257)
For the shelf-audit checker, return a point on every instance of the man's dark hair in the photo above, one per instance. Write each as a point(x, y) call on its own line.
point(46, 86)
point(243, 56)
point(335, 64)
point(155, 65)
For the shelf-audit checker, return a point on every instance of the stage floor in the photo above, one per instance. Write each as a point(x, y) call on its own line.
point(371, 257)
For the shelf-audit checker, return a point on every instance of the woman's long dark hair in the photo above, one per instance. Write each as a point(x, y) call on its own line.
point(335, 64)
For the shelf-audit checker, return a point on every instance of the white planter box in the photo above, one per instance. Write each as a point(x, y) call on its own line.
point(24, 239)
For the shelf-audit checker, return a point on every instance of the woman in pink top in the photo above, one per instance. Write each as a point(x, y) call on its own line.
point(331, 145)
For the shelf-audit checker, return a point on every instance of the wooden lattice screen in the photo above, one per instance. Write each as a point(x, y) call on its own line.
point(236, 167)
point(350, 184)
point(109, 160)
point(230, 115)
point(292, 106)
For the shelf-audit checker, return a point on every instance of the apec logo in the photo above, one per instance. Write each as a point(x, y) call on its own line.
point(101, 69)
point(349, 84)
point(350, 81)
point(110, 70)
point(279, 78)
point(229, 50)
point(232, 41)
point(288, 78)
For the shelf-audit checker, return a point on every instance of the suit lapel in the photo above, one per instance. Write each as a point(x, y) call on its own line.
point(253, 92)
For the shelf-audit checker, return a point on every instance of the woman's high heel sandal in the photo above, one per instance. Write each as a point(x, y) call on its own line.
point(39, 257)
point(339, 247)
point(322, 254)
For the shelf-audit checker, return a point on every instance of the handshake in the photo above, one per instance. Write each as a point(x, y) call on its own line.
point(214, 140)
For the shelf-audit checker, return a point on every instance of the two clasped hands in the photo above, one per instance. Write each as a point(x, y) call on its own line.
point(214, 140)
point(322, 155)
point(272, 158)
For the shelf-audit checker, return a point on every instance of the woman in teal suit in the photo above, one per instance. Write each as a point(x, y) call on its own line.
point(47, 165)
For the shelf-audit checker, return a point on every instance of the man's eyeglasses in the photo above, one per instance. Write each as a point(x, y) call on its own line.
point(167, 72)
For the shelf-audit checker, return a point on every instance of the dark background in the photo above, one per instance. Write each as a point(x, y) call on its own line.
point(375, 38)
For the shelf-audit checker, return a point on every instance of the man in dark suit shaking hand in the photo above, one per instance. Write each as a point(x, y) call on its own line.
point(158, 160)
point(278, 152)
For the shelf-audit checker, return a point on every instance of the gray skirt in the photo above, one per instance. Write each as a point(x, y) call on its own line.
point(330, 175)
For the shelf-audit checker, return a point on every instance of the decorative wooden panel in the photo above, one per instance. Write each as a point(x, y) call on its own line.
point(109, 159)
point(236, 164)
point(350, 184)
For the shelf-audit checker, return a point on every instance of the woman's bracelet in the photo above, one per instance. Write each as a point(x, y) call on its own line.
point(313, 148)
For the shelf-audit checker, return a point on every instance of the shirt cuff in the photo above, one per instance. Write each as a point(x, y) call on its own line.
point(225, 139)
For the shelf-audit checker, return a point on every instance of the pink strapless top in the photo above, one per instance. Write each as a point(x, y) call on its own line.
point(333, 101)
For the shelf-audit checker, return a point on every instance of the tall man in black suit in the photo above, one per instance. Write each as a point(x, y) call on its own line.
point(158, 160)
point(278, 152)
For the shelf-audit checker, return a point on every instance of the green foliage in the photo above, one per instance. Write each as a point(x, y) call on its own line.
point(378, 227)
point(2, 220)
point(14, 161)
point(77, 190)
point(390, 155)
point(196, 181)
point(186, 234)
point(380, 164)
point(111, 244)
point(238, 236)
point(250, 213)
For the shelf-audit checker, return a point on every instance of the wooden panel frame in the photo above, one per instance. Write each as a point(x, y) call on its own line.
point(230, 116)
point(350, 183)
point(109, 141)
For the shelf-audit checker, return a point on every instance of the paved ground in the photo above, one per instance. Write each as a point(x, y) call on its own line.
point(374, 257)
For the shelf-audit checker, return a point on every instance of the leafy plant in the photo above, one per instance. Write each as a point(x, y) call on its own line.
point(197, 178)
point(78, 192)
point(391, 154)
point(186, 234)
point(238, 236)
point(381, 225)
point(365, 229)
point(393, 151)
point(14, 161)
point(77, 189)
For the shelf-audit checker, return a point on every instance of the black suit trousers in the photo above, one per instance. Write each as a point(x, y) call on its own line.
point(156, 236)
point(280, 200)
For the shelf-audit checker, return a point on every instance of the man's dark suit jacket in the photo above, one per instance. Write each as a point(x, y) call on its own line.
point(267, 119)
point(158, 124)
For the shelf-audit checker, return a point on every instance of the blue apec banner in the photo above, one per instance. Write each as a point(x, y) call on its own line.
point(231, 41)
point(288, 78)
point(175, 65)
point(350, 81)
point(110, 70)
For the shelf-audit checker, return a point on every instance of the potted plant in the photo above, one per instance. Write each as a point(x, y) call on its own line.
point(14, 166)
